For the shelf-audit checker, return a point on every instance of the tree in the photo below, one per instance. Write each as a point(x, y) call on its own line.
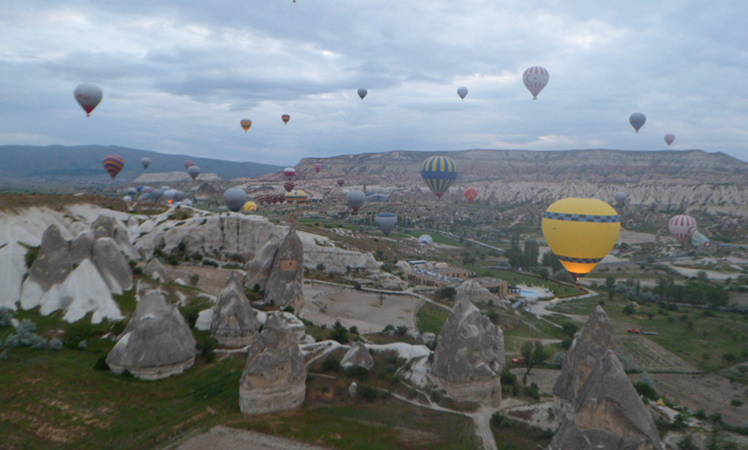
point(533, 353)
point(530, 254)
point(610, 282)
point(551, 260)
point(736, 403)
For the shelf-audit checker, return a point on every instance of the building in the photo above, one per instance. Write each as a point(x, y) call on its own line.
point(496, 286)
point(427, 278)
point(454, 272)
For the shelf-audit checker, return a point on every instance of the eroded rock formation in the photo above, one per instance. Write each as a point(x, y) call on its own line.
point(358, 355)
point(284, 285)
point(476, 293)
point(234, 321)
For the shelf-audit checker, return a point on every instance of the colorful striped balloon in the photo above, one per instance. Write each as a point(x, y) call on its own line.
point(682, 227)
point(113, 164)
point(439, 173)
point(471, 194)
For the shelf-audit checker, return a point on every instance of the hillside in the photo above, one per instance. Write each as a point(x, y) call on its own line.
point(60, 165)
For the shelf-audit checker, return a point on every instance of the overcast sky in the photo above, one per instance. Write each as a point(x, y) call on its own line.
point(179, 75)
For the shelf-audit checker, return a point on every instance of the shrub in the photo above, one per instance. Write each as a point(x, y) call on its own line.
point(6, 316)
point(194, 279)
point(646, 390)
point(566, 343)
point(55, 344)
point(367, 393)
point(508, 378)
point(569, 329)
point(339, 333)
point(357, 372)
point(101, 364)
point(331, 365)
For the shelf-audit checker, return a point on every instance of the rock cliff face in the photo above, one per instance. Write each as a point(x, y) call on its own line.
point(274, 378)
point(285, 282)
point(357, 355)
point(157, 342)
point(469, 356)
point(258, 269)
point(607, 414)
point(234, 323)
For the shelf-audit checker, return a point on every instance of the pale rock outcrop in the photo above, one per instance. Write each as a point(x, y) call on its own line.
point(156, 270)
point(293, 323)
point(109, 227)
point(477, 293)
point(157, 342)
point(274, 378)
point(12, 270)
point(357, 355)
point(320, 250)
point(469, 356)
point(590, 344)
point(81, 246)
point(50, 268)
point(112, 265)
point(607, 413)
point(83, 291)
point(234, 322)
point(284, 285)
point(258, 269)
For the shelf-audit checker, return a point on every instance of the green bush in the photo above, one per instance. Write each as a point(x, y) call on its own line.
point(367, 393)
point(357, 372)
point(331, 365)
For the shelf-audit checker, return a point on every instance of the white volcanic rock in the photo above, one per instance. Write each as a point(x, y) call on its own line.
point(112, 265)
point(469, 356)
point(81, 246)
point(50, 268)
point(285, 282)
point(357, 355)
point(83, 291)
point(293, 323)
point(157, 271)
point(109, 227)
point(234, 322)
point(476, 293)
point(172, 177)
point(607, 413)
point(157, 342)
point(319, 250)
point(258, 269)
point(274, 378)
point(12, 270)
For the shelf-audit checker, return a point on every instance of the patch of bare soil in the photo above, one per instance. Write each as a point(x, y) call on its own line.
point(211, 280)
point(224, 438)
point(650, 356)
point(544, 378)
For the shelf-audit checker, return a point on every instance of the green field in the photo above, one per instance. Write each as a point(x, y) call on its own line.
point(431, 318)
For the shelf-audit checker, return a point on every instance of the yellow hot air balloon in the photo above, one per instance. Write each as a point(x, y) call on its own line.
point(250, 206)
point(581, 232)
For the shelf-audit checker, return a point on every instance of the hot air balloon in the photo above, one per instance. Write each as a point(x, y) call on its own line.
point(425, 239)
point(127, 198)
point(299, 197)
point(699, 240)
point(250, 206)
point(669, 138)
point(535, 79)
point(189, 163)
point(88, 96)
point(471, 194)
point(285, 118)
point(620, 197)
point(246, 124)
point(581, 232)
point(131, 191)
point(156, 194)
point(170, 195)
point(317, 168)
point(637, 120)
point(387, 222)
point(288, 186)
point(439, 173)
point(179, 195)
point(682, 227)
point(113, 164)
point(462, 92)
point(289, 172)
point(193, 171)
point(235, 198)
point(377, 197)
point(145, 162)
point(362, 93)
point(187, 202)
point(341, 182)
point(356, 199)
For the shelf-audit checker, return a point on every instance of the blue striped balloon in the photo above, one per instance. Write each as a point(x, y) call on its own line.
point(439, 173)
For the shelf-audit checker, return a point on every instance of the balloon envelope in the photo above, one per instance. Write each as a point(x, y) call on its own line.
point(535, 79)
point(246, 124)
point(288, 186)
point(425, 239)
point(387, 222)
point(637, 120)
point(621, 197)
point(289, 172)
point(682, 227)
point(439, 173)
point(285, 118)
point(581, 232)
point(170, 195)
point(113, 164)
point(88, 96)
point(156, 193)
point(699, 240)
point(179, 196)
point(462, 92)
point(356, 199)
point(471, 194)
point(193, 171)
point(317, 168)
point(377, 197)
point(235, 198)
point(362, 93)
point(189, 163)
point(341, 182)
point(669, 139)
point(250, 206)
point(145, 162)
point(297, 196)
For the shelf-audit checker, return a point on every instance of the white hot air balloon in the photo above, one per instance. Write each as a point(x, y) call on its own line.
point(535, 79)
point(88, 96)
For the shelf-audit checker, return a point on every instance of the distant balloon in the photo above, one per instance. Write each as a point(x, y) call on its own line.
point(179, 196)
point(425, 239)
point(88, 96)
point(621, 197)
point(669, 139)
point(439, 173)
point(471, 194)
point(300, 197)
point(362, 93)
point(169, 195)
point(317, 167)
point(127, 198)
point(235, 198)
point(341, 182)
point(581, 232)
point(288, 186)
point(250, 206)
point(699, 240)
point(289, 172)
point(356, 199)
point(113, 164)
point(285, 118)
point(131, 191)
point(387, 222)
point(145, 162)
point(377, 197)
point(262, 198)
point(193, 171)
point(462, 92)
point(637, 120)
point(156, 194)
point(189, 163)
point(246, 124)
point(187, 202)
point(535, 79)
point(682, 227)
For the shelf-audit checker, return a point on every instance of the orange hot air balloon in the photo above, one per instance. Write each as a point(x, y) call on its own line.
point(471, 194)
point(246, 124)
point(285, 118)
